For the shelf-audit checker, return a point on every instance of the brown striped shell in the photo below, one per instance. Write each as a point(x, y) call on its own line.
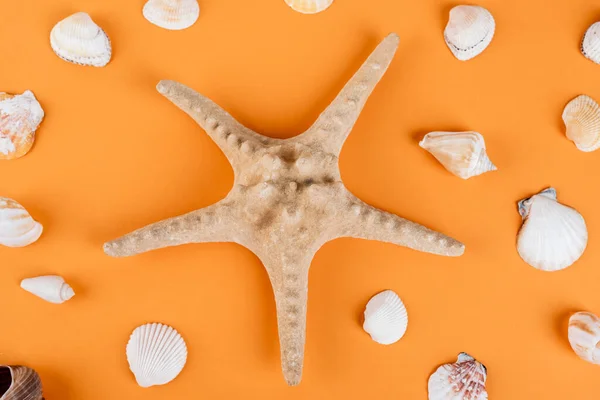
point(19, 383)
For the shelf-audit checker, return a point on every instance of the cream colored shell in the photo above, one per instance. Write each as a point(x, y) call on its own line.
point(386, 319)
point(51, 288)
point(590, 45)
point(172, 14)
point(469, 31)
point(582, 120)
point(584, 336)
point(20, 116)
point(17, 227)
point(309, 6)
point(463, 380)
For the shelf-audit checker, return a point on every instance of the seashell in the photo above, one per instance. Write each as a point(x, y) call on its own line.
point(386, 319)
point(51, 288)
point(469, 31)
point(553, 236)
point(20, 116)
point(582, 119)
point(172, 14)
point(19, 383)
point(463, 380)
point(462, 153)
point(156, 354)
point(309, 6)
point(590, 45)
point(17, 228)
point(584, 335)
point(77, 39)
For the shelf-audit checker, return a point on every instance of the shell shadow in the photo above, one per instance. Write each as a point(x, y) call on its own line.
point(561, 324)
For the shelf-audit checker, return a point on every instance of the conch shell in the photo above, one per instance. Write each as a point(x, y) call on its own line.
point(309, 6)
point(19, 383)
point(386, 319)
point(584, 336)
point(582, 119)
point(17, 228)
point(51, 288)
point(469, 31)
point(463, 380)
point(20, 116)
point(172, 14)
point(590, 45)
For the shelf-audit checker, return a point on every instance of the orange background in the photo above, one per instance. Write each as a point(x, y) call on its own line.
point(113, 155)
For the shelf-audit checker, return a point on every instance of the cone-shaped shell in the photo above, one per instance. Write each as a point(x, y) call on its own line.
point(386, 319)
point(19, 383)
point(17, 228)
point(156, 354)
point(582, 120)
point(462, 153)
point(51, 288)
point(590, 45)
point(584, 336)
point(77, 39)
point(309, 6)
point(469, 31)
point(462, 380)
point(553, 236)
point(20, 116)
point(172, 14)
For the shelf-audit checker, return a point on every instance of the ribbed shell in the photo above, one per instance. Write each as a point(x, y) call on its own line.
point(172, 14)
point(20, 116)
point(309, 6)
point(386, 319)
point(553, 236)
point(51, 288)
point(17, 228)
point(19, 383)
point(469, 31)
point(590, 45)
point(463, 380)
point(582, 120)
point(584, 336)
point(156, 354)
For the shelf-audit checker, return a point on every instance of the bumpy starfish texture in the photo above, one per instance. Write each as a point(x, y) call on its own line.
point(287, 200)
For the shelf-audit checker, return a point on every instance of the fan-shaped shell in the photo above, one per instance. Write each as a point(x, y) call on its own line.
point(17, 228)
point(51, 288)
point(590, 45)
point(553, 236)
point(77, 39)
point(584, 336)
point(386, 319)
point(309, 6)
point(172, 14)
point(582, 120)
point(469, 31)
point(20, 116)
point(462, 380)
point(156, 354)
point(19, 383)
point(462, 153)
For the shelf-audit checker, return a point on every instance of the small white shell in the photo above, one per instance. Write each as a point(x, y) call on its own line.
point(584, 336)
point(553, 236)
point(386, 319)
point(582, 120)
point(51, 288)
point(469, 31)
point(309, 6)
point(20, 116)
point(17, 228)
point(590, 45)
point(77, 39)
point(156, 354)
point(463, 380)
point(462, 153)
point(172, 14)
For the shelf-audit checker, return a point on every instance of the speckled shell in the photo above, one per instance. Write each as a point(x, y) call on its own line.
point(19, 383)
point(590, 45)
point(17, 228)
point(584, 336)
point(463, 380)
point(582, 120)
point(20, 116)
point(172, 14)
point(386, 319)
point(309, 6)
point(469, 31)
point(51, 288)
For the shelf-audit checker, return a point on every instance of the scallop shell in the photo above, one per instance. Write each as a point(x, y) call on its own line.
point(77, 39)
point(462, 153)
point(553, 236)
point(17, 228)
point(582, 119)
point(19, 383)
point(590, 45)
point(172, 14)
point(584, 336)
point(469, 31)
point(463, 380)
point(386, 319)
point(51, 288)
point(20, 116)
point(156, 354)
point(309, 6)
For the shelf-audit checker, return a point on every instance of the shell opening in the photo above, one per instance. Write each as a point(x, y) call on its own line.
point(6, 380)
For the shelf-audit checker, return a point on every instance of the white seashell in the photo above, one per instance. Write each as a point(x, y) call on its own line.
point(590, 45)
point(172, 14)
point(462, 153)
point(77, 39)
point(20, 116)
point(582, 119)
point(463, 380)
point(386, 319)
point(309, 6)
point(584, 336)
point(51, 288)
point(553, 236)
point(17, 228)
point(469, 31)
point(156, 354)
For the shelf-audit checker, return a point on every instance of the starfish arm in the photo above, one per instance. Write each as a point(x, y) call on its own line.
point(335, 123)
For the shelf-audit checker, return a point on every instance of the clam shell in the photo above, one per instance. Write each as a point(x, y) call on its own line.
point(20, 116)
point(462, 153)
point(19, 383)
point(584, 336)
point(590, 45)
point(386, 319)
point(51, 288)
point(77, 39)
point(469, 31)
point(309, 6)
point(582, 120)
point(172, 14)
point(462, 380)
point(553, 236)
point(17, 228)
point(156, 354)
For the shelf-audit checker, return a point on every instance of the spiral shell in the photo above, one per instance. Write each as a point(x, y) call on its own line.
point(17, 228)
point(584, 336)
point(51, 288)
point(462, 380)
point(20, 116)
point(172, 14)
point(19, 383)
